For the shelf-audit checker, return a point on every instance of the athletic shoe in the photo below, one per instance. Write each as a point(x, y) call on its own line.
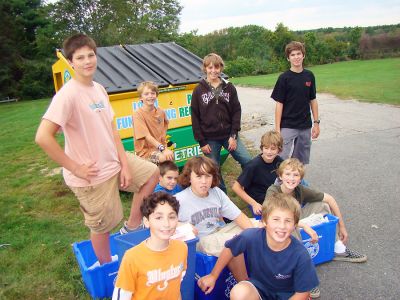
point(125, 229)
point(350, 256)
point(315, 293)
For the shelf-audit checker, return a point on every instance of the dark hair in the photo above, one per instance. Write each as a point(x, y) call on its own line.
point(292, 46)
point(281, 201)
point(150, 203)
point(76, 42)
point(199, 165)
point(166, 166)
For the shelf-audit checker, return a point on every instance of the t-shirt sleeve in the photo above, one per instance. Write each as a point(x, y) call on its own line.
point(140, 129)
point(60, 109)
point(313, 91)
point(238, 243)
point(305, 275)
point(279, 91)
point(309, 195)
point(246, 177)
point(228, 209)
point(127, 274)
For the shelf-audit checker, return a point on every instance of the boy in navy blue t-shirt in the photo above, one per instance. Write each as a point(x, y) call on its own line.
point(278, 265)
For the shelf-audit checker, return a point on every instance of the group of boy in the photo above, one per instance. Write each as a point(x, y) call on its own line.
point(96, 167)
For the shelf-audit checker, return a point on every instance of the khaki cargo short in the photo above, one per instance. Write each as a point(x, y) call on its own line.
point(101, 203)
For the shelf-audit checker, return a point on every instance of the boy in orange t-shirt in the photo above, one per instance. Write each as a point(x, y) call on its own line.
point(155, 268)
point(150, 126)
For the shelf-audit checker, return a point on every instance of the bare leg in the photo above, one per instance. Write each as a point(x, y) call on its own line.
point(238, 268)
point(135, 216)
point(101, 246)
point(244, 291)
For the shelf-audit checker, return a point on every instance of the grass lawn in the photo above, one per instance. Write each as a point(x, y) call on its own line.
point(368, 80)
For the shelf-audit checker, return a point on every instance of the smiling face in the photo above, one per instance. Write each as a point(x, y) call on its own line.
point(296, 58)
point(280, 224)
point(162, 223)
point(169, 179)
point(148, 97)
point(200, 183)
point(213, 72)
point(269, 153)
point(290, 179)
point(84, 62)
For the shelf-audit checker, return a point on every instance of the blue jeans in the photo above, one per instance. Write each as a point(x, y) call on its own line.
point(241, 155)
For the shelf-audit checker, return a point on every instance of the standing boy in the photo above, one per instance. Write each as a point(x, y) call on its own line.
point(295, 94)
point(278, 265)
point(169, 173)
point(155, 268)
point(94, 162)
point(259, 174)
point(150, 126)
point(216, 114)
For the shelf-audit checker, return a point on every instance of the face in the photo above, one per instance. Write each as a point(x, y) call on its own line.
point(279, 226)
point(213, 72)
point(148, 97)
point(290, 178)
point(169, 179)
point(84, 62)
point(162, 222)
point(269, 153)
point(200, 183)
point(296, 58)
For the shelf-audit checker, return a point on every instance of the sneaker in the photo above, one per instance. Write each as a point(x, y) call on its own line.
point(125, 229)
point(315, 293)
point(350, 256)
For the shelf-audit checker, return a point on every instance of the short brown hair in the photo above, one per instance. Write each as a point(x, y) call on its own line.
point(281, 201)
point(199, 165)
point(271, 138)
point(292, 163)
point(292, 46)
point(166, 166)
point(76, 42)
point(149, 84)
point(213, 59)
point(150, 203)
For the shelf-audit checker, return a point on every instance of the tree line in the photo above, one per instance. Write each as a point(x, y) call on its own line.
point(31, 30)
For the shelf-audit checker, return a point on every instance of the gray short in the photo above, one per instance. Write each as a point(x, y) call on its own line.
point(296, 143)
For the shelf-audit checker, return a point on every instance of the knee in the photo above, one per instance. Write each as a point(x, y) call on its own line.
point(243, 291)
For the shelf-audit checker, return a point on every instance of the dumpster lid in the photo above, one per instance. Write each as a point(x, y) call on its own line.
point(118, 71)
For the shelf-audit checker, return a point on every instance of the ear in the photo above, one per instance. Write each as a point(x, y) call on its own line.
point(146, 222)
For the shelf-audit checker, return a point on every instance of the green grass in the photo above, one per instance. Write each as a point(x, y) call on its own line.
point(368, 80)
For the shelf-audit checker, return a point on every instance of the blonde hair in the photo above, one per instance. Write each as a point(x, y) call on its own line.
point(213, 59)
point(281, 201)
point(292, 163)
point(147, 84)
point(271, 138)
point(292, 46)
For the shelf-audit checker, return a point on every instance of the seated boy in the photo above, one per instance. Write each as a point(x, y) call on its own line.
point(169, 173)
point(259, 173)
point(154, 269)
point(291, 172)
point(278, 265)
point(150, 126)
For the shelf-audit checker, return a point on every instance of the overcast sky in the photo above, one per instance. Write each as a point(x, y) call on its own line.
point(209, 15)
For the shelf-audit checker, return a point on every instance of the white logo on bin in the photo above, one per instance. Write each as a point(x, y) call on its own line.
point(312, 249)
point(230, 282)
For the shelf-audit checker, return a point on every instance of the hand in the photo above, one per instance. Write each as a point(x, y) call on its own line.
point(206, 149)
point(125, 177)
point(257, 208)
point(314, 237)
point(168, 154)
point(315, 131)
point(232, 144)
point(195, 231)
point(206, 283)
point(343, 235)
point(86, 171)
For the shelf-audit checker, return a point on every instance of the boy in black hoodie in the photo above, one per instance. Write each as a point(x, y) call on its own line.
point(216, 114)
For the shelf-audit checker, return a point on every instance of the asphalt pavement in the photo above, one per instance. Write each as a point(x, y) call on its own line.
point(356, 159)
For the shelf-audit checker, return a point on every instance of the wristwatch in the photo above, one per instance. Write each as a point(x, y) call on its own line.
point(317, 121)
point(161, 147)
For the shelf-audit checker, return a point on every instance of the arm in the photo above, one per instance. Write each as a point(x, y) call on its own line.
point(207, 283)
point(243, 221)
point(278, 115)
point(336, 211)
point(300, 296)
point(45, 138)
point(238, 189)
point(314, 109)
point(168, 154)
point(125, 174)
point(311, 232)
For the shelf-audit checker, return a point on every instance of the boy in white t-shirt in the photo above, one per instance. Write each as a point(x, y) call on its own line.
point(94, 162)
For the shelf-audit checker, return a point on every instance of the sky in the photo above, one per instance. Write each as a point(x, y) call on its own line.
point(208, 15)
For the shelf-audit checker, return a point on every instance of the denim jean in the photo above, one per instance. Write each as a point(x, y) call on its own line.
point(241, 155)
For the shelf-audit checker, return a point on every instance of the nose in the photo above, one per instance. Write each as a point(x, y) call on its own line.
point(166, 222)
